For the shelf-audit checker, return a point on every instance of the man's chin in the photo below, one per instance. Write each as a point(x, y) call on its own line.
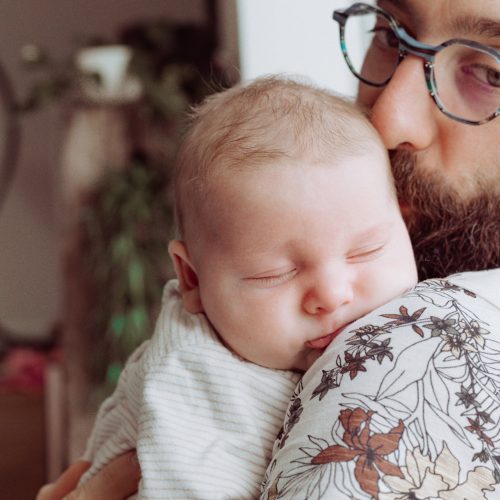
point(448, 234)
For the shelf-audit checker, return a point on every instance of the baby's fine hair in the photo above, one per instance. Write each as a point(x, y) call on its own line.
point(265, 121)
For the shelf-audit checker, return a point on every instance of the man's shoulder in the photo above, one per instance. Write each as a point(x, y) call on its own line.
point(485, 284)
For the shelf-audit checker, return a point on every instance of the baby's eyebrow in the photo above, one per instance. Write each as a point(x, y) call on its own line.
point(373, 232)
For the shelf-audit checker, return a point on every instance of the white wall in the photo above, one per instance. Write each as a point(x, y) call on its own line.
point(293, 37)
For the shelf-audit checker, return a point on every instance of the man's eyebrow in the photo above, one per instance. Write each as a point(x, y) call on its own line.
point(481, 26)
point(404, 6)
point(400, 4)
point(463, 25)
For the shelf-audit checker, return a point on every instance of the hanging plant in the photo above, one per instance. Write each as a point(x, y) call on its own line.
point(128, 218)
point(128, 222)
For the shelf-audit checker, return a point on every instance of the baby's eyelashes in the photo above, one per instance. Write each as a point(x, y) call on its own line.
point(272, 278)
point(279, 276)
point(366, 254)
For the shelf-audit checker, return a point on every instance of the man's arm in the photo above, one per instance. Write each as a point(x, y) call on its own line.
point(116, 425)
point(116, 481)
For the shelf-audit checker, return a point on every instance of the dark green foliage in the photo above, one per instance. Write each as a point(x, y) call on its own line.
point(128, 223)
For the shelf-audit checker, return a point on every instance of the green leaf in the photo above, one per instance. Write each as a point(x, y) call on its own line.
point(118, 324)
point(113, 372)
point(139, 318)
point(136, 278)
point(121, 247)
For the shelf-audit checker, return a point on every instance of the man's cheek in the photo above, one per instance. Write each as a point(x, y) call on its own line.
point(366, 95)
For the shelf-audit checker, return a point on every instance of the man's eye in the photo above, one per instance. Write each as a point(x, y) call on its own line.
point(364, 255)
point(385, 37)
point(485, 74)
point(273, 279)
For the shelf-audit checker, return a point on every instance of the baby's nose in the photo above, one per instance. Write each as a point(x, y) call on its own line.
point(328, 294)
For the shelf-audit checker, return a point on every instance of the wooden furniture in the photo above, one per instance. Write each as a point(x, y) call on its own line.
point(22, 459)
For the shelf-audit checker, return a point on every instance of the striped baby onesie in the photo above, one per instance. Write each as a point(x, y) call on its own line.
point(203, 420)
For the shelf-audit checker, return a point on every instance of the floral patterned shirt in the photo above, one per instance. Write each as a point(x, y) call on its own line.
point(404, 404)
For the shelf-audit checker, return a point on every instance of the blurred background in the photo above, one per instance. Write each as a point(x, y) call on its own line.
point(92, 98)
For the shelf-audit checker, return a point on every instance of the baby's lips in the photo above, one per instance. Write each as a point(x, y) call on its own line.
point(322, 342)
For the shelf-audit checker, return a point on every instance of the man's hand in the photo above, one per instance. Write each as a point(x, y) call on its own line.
point(116, 481)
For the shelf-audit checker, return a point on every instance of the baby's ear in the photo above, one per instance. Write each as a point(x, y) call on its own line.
point(186, 274)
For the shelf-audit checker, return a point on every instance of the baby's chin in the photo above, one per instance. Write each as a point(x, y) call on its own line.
point(307, 359)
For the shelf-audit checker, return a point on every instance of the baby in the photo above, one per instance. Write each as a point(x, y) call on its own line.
point(289, 230)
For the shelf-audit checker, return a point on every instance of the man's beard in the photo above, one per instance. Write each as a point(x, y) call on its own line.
point(449, 234)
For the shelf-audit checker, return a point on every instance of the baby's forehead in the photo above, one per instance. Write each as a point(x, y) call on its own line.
point(295, 226)
point(233, 187)
point(285, 121)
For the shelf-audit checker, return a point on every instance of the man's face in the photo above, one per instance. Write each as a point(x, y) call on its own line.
point(447, 173)
point(294, 252)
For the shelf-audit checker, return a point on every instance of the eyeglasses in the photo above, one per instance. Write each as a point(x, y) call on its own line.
point(463, 76)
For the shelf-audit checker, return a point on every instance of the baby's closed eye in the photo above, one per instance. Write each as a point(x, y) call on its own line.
point(272, 278)
point(366, 253)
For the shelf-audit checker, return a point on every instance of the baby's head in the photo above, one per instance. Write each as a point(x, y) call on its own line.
point(288, 220)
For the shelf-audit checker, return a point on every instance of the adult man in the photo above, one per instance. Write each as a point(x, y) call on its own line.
point(448, 176)
point(403, 403)
point(448, 173)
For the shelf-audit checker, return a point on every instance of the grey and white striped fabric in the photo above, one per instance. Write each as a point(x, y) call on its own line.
point(202, 419)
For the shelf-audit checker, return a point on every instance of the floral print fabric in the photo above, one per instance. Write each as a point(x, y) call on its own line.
point(406, 406)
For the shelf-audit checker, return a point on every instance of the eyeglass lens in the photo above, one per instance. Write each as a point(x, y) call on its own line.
point(466, 79)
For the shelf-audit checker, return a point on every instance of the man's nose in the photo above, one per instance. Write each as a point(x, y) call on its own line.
point(328, 293)
point(404, 113)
